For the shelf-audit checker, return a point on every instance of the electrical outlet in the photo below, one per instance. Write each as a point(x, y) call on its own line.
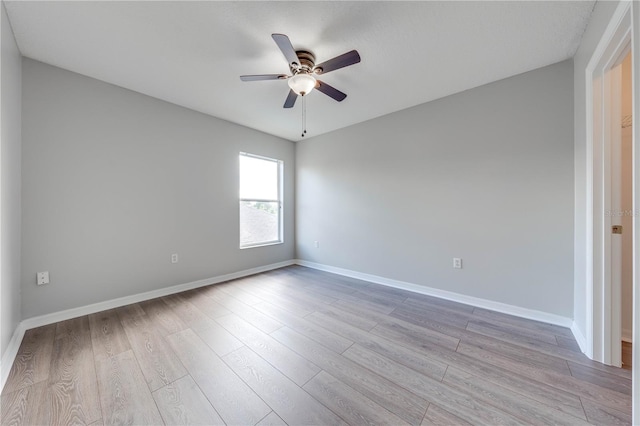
point(316, 244)
point(457, 263)
point(43, 278)
point(174, 258)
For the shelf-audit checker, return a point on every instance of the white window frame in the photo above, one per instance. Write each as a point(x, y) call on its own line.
point(279, 201)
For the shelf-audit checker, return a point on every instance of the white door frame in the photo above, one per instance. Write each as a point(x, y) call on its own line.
point(623, 28)
point(603, 296)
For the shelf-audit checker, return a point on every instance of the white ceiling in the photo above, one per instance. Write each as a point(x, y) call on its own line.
point(192, 53)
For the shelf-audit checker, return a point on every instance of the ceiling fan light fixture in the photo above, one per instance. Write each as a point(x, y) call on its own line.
point(302, 83)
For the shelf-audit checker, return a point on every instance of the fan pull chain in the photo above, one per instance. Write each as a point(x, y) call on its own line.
point(304, 116)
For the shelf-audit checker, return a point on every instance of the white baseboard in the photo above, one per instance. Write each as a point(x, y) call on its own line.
point(444, 294)
point(10, 354)
point(580, 339)
point(12, 350)
point(140, 297)
point(29, 323)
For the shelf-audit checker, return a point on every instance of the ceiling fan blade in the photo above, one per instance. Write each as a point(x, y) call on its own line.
point(330, 91)
point(259, 77)
point(338, 62)
point(287, 49)
point(291, 99)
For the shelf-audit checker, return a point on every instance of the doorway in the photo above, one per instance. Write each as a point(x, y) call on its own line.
point(627, 211)
point(603, 324)
point(604, 196)
point(617, 124)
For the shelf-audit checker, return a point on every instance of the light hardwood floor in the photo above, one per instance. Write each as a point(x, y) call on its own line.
point(297, 346)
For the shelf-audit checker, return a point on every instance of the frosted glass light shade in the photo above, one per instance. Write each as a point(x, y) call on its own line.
point(302, 84)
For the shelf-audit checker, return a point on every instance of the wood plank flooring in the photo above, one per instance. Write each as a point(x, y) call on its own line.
point(627, 352)
point(298, 346)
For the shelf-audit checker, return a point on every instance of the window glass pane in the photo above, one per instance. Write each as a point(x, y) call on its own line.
point(258, 178)
point(258, 222)
point(260, 202)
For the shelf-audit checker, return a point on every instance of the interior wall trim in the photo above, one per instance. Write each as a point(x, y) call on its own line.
point(448, 295)
point(580, 338)
point(29, 323)
point(10, 354)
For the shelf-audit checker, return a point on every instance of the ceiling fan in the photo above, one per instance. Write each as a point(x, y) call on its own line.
point(304, 71)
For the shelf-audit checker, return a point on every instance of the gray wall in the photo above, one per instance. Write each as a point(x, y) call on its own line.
point(114, 182)
point(485, 175)
point(600, 17)
point(10, 111)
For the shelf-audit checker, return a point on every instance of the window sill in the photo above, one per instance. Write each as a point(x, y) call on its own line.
point(272, 243)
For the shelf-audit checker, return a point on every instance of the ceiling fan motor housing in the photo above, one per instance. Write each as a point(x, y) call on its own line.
point(307, 62)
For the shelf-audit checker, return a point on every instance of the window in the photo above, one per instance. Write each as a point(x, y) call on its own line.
point(260, 201)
